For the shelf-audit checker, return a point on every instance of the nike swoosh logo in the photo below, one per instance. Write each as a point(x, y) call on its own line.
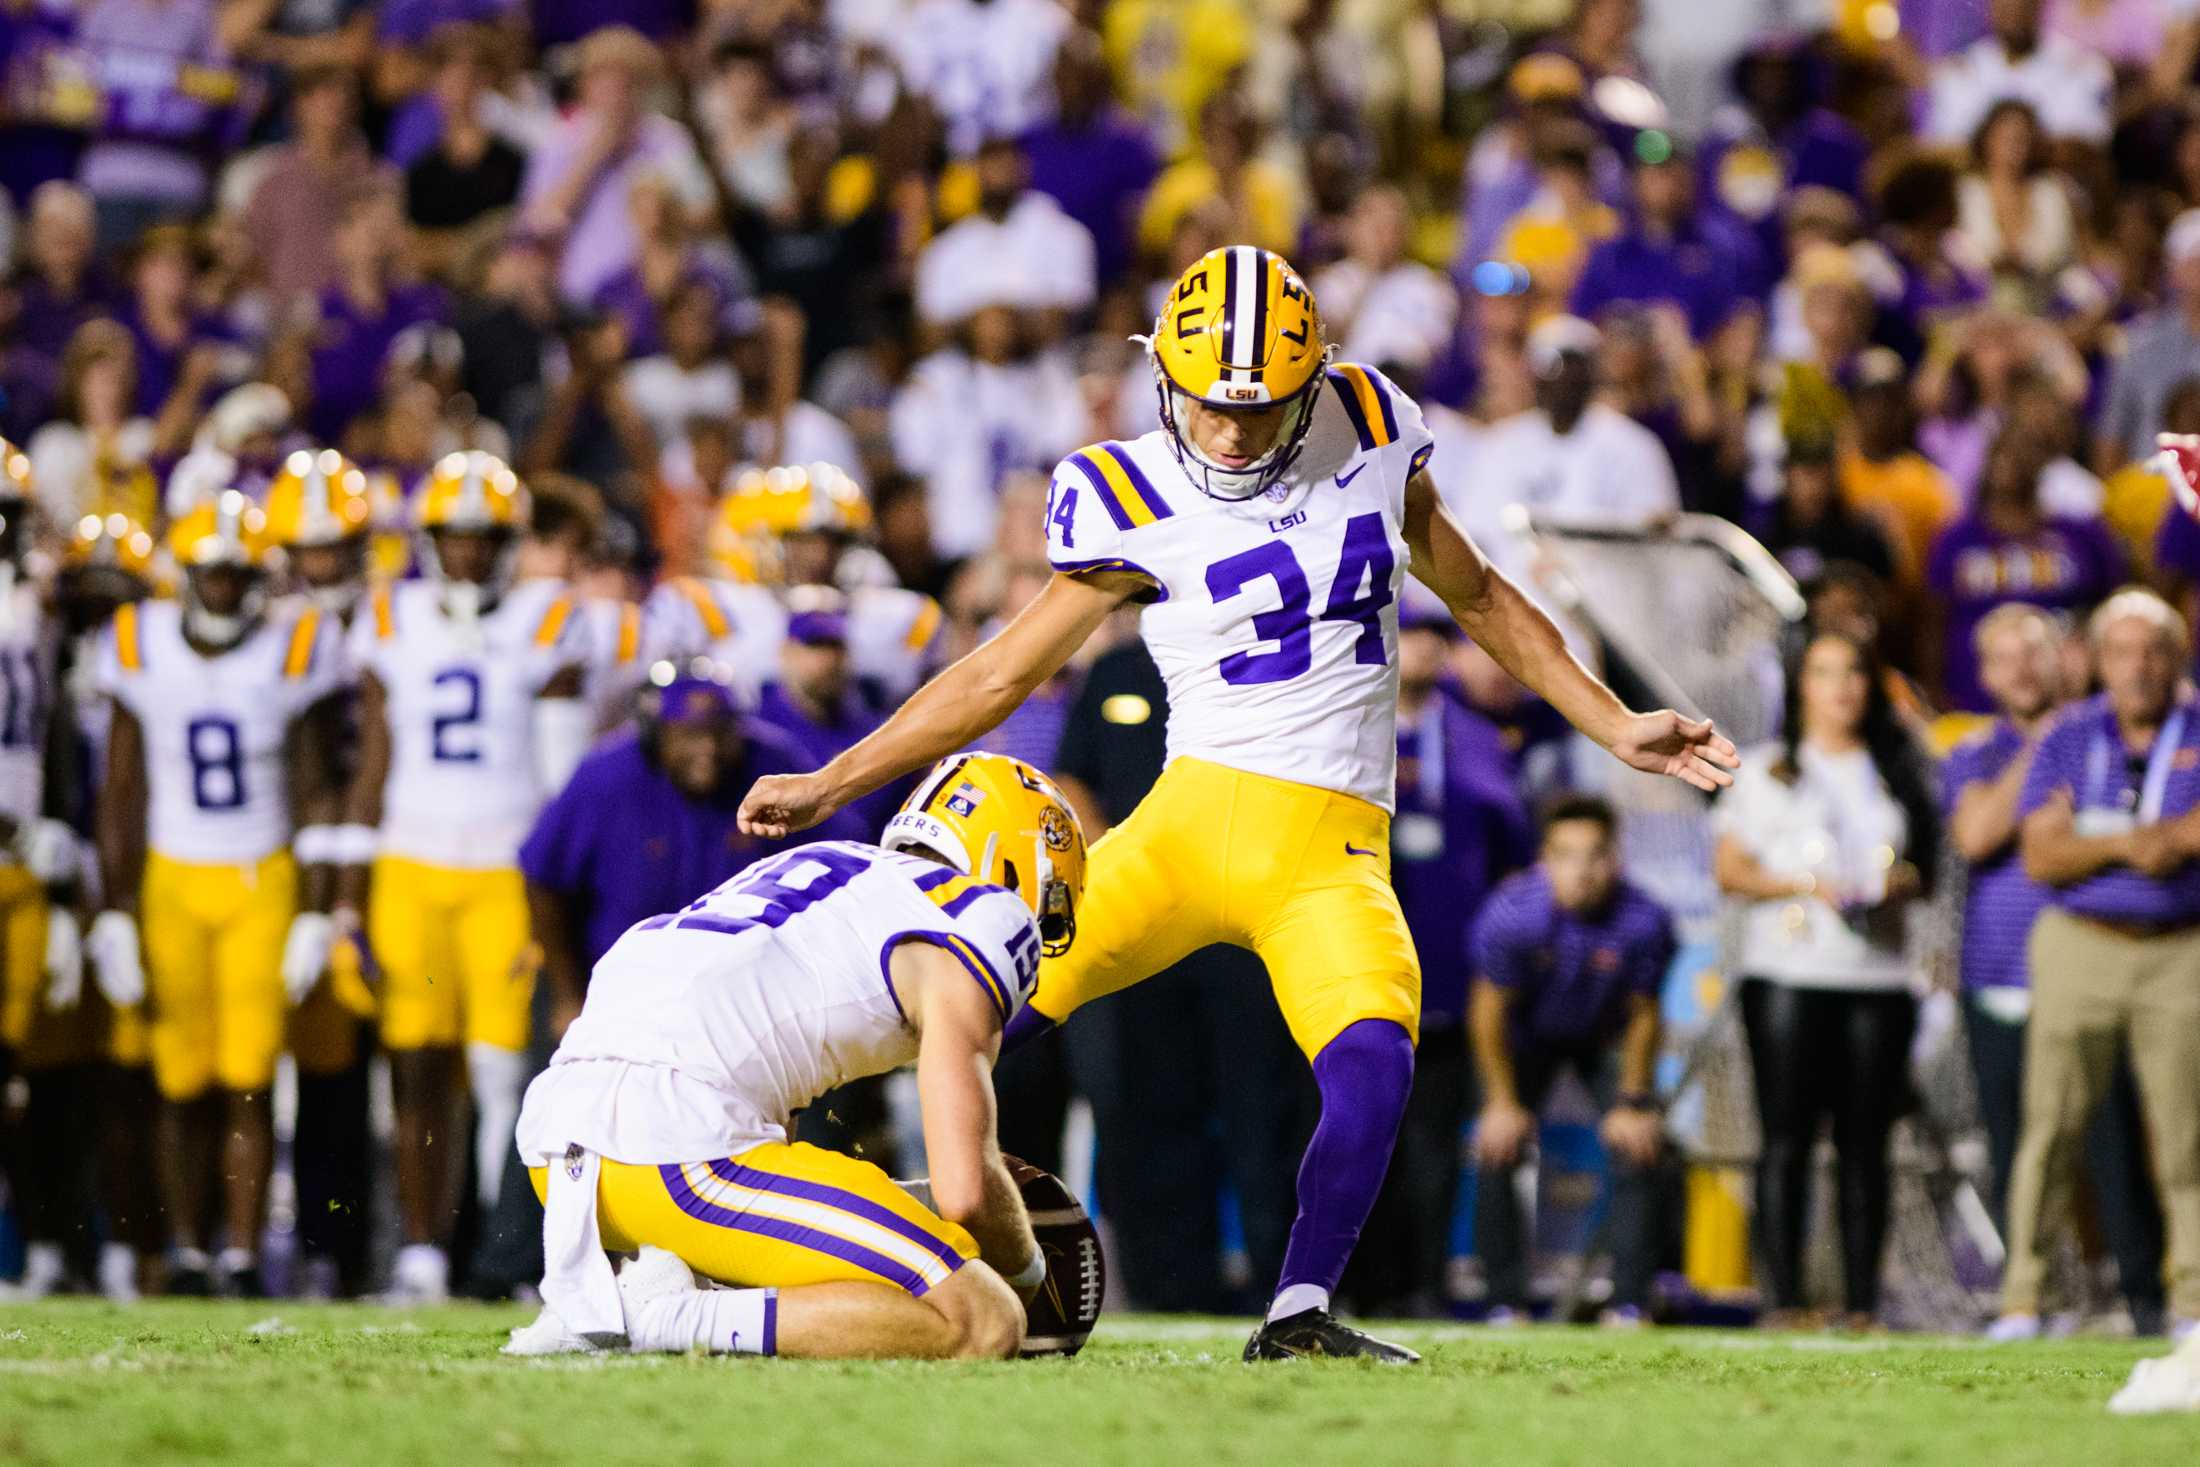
point(1353, 850)
point(1344, 479)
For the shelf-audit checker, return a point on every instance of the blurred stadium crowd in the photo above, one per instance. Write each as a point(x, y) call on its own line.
point(784, 310)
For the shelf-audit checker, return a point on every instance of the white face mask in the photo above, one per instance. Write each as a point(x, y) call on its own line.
point(338, 600)
point(212, 629)
point(1220, 481)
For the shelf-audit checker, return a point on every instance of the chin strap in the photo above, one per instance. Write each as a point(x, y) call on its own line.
point(213, 629)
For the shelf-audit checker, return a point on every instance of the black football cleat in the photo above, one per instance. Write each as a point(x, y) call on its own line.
point(1313, 1334)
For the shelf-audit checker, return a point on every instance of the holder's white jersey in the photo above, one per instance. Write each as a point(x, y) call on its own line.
point(463, 789)
point(1276, 623)
point(29, 646)
point(891, 632)
point(706, 1029)
point(215, 727)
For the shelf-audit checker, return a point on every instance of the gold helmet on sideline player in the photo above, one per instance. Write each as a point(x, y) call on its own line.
point(762, 509)
point(1002, 822)
point(1239, 332)
point(318, 509)
point(223, 553)
point(476, 495)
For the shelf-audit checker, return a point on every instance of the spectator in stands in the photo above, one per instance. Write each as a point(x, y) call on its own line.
point(1460, 828)
point(1812, 526)
point(1382, 306)
point(171, 101)
point(1883, 476)
point(1570, 959)
point(2110, 822)
point(1093, 158)
point(1570, 457)
point(2067, 86)
point(2162, 348)
point(1670, 250)
point(1777, 138)
point(469, 171)
point(363, 310)
point(1655, 373)
point(1227, 166)
point(580, 179)
point(690, 377)
point(1019, 248)
point(180, 361)
point(2009, 548)
point(669, 253)
point(312, 180)
point(1826, 841)
point(2013, 210)
point(984, 65)
point(57, 285)
point(749, 125)
point(94, 455)
point(2020, 663)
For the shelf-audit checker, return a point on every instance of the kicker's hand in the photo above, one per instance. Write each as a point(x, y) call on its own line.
point(778, 805)
point(1686, 748)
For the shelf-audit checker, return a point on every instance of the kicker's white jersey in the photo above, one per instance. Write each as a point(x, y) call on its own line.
point(460, 702)
point(1276, 626)
point(706, 1029)
point(215, 726)
point(892, 633)
point(29, 645)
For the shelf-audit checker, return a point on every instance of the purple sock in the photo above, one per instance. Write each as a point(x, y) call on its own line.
point(1364, 1075)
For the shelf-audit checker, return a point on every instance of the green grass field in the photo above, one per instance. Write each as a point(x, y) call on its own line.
point(81, 1382)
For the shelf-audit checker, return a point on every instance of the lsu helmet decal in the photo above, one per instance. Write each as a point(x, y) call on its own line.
point(1002, 822)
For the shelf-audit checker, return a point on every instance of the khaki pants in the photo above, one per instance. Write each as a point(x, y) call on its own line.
point(2093, 989)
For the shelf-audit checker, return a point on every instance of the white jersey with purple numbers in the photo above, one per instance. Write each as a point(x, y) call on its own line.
point(1276, 624)
point(28, 647)
point(706, 1029)
point(215, 727)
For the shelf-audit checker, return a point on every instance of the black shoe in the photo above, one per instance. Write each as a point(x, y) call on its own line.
point(190, 1281)
point(1311, 1334)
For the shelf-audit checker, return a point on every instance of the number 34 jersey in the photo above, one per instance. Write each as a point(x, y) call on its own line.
point(215, 727)
point(459, 700)
point(1276, 622)
point(707, 1028)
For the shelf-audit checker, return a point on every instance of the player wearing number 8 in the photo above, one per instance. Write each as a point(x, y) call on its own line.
point(470, 716)
point(1267, 526)
point(223, 713)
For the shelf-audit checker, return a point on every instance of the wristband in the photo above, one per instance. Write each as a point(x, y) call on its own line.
point(1032, 1274)
point(353, 845)
point(311, 844)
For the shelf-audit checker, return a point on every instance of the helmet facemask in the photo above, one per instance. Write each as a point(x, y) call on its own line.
point(223, 629)
point(1220, 481)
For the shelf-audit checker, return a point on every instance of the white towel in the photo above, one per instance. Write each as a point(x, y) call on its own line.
point(576, 1275)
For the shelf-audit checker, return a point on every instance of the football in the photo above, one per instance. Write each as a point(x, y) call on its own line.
point(1061, 1315)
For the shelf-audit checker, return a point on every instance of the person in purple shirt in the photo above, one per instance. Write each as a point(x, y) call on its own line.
point(2008, 548)
point(2110, 823)
point(363, 313)
point(1671, 251)
point(1570, 959)
point(821, 710)
point(1460, 827)
point(1094, 158)
point(645, 825)
point(2020, 664)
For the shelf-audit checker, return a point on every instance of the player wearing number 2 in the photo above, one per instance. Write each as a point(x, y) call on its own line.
point(1267, 525)
point(470, 716)
point(223, 713)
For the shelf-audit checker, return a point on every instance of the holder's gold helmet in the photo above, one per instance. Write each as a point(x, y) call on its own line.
point(1239, 332)
point(1000, 821)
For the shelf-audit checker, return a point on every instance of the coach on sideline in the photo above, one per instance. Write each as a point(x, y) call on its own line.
point(2111, 822)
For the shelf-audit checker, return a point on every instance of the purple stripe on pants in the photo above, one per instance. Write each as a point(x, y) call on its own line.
point(817, 1241)
point(838, 1197)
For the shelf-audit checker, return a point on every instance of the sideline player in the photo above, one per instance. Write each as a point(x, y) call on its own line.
point(1268, 525)
point(224, 720)
point(663, 1121)
point(470, 715)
